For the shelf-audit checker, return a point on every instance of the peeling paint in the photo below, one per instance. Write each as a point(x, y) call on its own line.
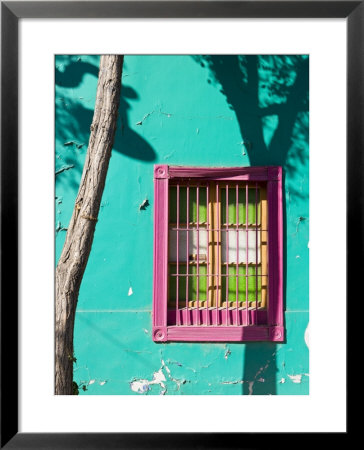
point(175, 380)
point(250, 387)
point(130, 291)
point(86, 383)
point(260, 379)
point(144, 204)
point(150, 114)
point(296, 378)
point(145, 117)
point(232, 382)
point(282, 380)
point(60, 227)
point(159, 378)
point(227, 353)
point(250, 384)
point(299, 221)
point(64, 168)
point(69, 143)
point(143, 386)
point(140, 386)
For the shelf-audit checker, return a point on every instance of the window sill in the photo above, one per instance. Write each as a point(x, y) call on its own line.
point(209, 333)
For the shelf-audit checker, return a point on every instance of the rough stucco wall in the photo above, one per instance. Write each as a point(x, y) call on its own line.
point(181, 110)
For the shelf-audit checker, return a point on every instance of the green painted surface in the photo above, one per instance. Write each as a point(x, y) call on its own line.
point(241, 217)
point(254, 283)
point(181, 110)
point(194, 285)
point(192, 205)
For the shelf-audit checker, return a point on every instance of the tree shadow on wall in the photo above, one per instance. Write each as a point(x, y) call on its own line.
point(260, 369)
point(270, 97)
point(74, 117)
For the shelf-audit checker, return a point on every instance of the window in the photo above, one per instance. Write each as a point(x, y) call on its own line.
point(218, 254)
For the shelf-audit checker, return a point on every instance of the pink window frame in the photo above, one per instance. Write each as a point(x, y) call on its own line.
point(273, 330)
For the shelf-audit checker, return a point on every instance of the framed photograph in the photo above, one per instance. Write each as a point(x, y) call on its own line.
point(169, 164)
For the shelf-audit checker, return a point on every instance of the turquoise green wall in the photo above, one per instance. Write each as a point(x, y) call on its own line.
point(181, 110)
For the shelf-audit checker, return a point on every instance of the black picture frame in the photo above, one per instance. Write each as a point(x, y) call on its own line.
point(11, 12)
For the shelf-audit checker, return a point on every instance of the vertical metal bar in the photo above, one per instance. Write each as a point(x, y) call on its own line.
point(208, 254)
point(198, 253)
point(177, 259)
point(237, 254)
point(188, 249)
point(256, 253)
point(263, 246)
point(227, 254)
point(216, 235)
point(247, 253)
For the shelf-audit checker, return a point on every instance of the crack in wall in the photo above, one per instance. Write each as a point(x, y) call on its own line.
point(150, 114)
point(255, 379)
point(84, 384)
point(143, 386)
point(227, 352)
point(64, 168)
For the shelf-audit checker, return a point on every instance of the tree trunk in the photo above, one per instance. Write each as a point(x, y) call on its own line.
point(77, 247)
